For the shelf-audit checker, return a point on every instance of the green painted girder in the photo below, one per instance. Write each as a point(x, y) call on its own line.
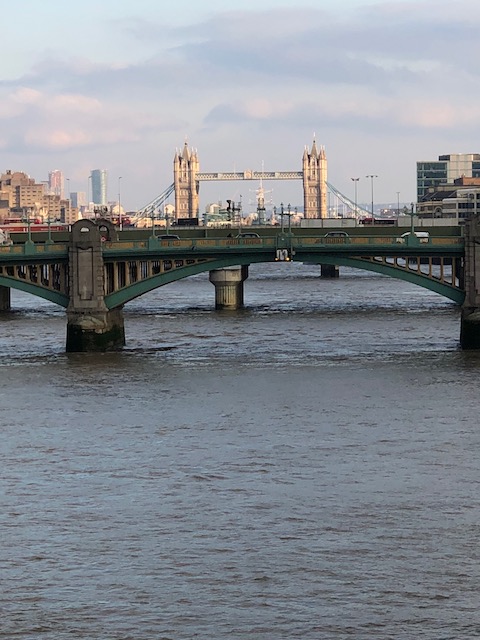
point(33, 253)
point(136, 289)
point(41, 292)
point(220, 249)
point(445, 290)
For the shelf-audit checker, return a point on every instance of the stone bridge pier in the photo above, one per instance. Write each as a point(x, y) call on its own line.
point(470, 318)
point(228, 285)
point(91, 326)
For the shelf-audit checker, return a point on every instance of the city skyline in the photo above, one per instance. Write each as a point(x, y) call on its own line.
point(248, 84)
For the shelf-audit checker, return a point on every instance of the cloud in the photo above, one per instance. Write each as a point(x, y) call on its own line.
point(389, 68)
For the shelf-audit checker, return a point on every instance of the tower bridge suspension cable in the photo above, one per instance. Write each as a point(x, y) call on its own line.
point(357, 210)
point(155, 208)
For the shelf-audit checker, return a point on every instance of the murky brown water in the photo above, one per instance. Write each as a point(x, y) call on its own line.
point(306, 468)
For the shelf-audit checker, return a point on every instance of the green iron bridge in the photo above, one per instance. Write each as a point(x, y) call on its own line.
point(98, 271)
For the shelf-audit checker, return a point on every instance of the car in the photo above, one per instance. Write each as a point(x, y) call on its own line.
point(168, 236)
point(336, 234)
point(248, 234)
point(422, 236)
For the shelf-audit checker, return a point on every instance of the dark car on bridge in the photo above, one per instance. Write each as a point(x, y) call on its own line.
point(336, 234)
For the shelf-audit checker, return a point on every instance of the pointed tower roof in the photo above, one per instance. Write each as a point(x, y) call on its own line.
point(314, 152)
point(186, 152)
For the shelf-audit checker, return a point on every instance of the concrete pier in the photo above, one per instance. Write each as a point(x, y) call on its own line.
point(470, 317)
point(99, 331)
point(329, 271)
point(5, 298)
point(228, 285)
point(91, 326)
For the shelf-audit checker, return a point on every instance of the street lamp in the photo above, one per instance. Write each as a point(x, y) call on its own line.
point(281, 216)
point(89, 186)
point(152, 216)
point(398, 203)
point(371, 179)
point(355, 182)
point(119, 205)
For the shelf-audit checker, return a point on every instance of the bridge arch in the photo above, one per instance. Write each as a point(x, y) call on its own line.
point(56, 297)
point(134, 290)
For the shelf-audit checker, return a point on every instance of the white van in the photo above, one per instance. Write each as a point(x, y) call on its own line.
point(423, 236)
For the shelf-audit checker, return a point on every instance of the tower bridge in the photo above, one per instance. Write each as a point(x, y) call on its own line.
point(187, 177)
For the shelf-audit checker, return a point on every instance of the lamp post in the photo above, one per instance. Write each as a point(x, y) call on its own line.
point(281, 217)
point(398, 203)
point(119, 205)
point(412, 226)
point(49, 223)
point(275, 215)
point(355, 182)
point(29, 229)
point(89, 185)
point(372, 177)
point(289, 219)
point(153, 222)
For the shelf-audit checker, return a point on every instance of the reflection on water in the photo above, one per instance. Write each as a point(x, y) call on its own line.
point(305, 467)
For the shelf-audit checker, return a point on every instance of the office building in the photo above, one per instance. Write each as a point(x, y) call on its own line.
point(432, 173)
point(79, 199)
point(458, 200)
point(22, 197)
point(99, 186)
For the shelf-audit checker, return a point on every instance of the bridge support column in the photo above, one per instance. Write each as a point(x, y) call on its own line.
point(228, 285)
point(5, 298)
point(91, 325)
point(470, 317)
point(329, 271)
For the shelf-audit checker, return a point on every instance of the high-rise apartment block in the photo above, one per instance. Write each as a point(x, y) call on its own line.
point(99, 186)
point(445, 170)
point(21, 196)
point(56, 183)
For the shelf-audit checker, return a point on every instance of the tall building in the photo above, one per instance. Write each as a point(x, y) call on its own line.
point(21, 196)
point(79, 199)
point(445, 170)
point(99, 186)
point(315, 182)
point(56, 183)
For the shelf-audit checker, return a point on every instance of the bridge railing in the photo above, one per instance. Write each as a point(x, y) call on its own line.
point(267, 242)
point(33, 248)
point(132, 247)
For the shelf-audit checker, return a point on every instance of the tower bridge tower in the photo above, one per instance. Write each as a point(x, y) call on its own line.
point(315, 182)
point(185, 169)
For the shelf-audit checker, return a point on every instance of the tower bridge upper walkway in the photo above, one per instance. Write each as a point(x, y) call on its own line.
point(251, 175)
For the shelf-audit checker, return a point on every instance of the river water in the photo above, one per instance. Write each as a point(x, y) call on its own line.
point(307, 467)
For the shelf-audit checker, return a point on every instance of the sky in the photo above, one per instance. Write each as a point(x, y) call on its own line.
point(248, 84)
